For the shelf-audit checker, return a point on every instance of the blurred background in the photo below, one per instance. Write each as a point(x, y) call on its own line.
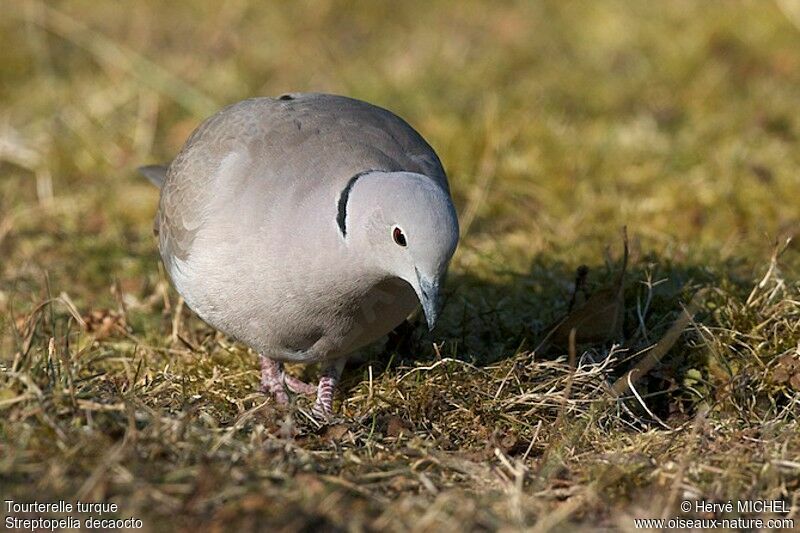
point(558, 122)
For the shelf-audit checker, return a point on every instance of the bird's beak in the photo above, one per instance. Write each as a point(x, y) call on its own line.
point(428, 294)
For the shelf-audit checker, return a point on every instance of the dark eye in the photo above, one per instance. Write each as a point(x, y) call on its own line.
point(399, 238)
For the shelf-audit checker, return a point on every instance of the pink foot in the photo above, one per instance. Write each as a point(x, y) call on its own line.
point(323, 406)
point(272, 380)
point(298, 386)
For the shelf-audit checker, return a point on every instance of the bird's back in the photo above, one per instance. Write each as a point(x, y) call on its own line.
point(290, 146)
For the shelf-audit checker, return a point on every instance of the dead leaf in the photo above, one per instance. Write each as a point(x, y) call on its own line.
point(396, 426)
point(336, 432)
point(780, 375)
point(787, 369)
point(597, 318)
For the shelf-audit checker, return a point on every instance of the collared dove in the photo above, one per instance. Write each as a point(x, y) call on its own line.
point(306, 227)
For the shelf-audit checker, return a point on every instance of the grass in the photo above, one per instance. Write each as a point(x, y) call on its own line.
point(558, 123)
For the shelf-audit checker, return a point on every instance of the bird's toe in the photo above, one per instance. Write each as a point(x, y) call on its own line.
point(278, 393)
point(322, 410)
point(298, 386)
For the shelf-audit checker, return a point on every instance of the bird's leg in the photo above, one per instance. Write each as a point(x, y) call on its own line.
point(331, 372)
point(272, 379)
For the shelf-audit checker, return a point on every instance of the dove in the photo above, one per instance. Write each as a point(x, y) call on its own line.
point(306, 227)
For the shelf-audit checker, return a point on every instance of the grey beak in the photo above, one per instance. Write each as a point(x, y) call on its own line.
point(428, 294)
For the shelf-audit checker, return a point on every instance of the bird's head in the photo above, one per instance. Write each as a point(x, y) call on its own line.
point(403, 225)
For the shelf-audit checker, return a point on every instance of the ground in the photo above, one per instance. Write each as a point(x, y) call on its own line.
point(558, 123)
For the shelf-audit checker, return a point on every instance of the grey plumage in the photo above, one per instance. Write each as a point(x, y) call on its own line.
point(276, 222)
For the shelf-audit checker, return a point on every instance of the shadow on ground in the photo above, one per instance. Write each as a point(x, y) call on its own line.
point(485, 322)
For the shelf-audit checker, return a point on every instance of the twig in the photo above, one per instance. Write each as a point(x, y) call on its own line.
point(657, 352)
point(773, 264)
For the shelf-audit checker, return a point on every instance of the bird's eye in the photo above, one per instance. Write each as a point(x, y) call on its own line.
point(399, 238)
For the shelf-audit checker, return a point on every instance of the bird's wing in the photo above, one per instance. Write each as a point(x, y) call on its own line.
point(343, 136)
point(292, 146)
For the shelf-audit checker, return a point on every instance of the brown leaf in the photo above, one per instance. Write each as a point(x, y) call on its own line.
point(790, 362)
point(787, 369)
point(336, 432)
point(396, 426)
point(780, 375)
point(599, 318)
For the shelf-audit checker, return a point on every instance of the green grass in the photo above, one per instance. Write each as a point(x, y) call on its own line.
point(558, 123)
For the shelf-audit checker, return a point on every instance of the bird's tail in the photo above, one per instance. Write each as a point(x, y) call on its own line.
point(155, 173)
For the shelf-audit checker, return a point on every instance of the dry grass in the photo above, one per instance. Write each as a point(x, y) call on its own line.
point(559, 123)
